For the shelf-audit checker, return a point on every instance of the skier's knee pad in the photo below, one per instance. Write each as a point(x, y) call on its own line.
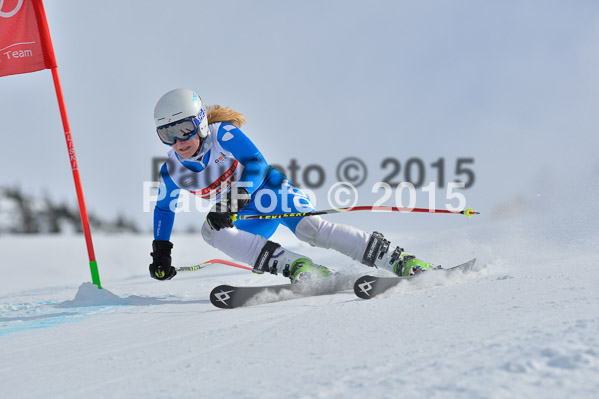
point(309, 230)
point(343, 238)
point(321, 233)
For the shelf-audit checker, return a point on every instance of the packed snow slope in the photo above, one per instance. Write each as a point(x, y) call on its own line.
point(526, 324)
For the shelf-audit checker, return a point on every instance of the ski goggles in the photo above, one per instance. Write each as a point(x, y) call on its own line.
point(181, 130)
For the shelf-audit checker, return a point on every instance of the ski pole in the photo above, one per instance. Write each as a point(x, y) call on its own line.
point(468, 212)
point(210, 262)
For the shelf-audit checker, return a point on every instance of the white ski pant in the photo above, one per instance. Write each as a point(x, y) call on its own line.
point(245, 247)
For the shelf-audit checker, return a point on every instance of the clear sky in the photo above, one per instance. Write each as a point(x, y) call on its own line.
point(512, 85)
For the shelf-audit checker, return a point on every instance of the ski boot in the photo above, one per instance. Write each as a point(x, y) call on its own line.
point(275, 259)
point(378, 254)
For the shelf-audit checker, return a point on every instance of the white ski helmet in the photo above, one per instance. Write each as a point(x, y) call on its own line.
point(178, 105)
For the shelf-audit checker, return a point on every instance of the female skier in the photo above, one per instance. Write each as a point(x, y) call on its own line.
point(212, 158)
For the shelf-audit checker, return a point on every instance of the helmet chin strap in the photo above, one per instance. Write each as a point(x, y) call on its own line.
point(195, 154)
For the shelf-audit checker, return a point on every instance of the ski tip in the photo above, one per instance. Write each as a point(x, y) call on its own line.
point(363, 287)
point(221, 296)
point(462, 266)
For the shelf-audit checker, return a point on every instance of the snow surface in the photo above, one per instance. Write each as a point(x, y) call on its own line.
point(526, 324)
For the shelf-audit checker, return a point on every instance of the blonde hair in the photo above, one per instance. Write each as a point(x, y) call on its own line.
point(218, 114)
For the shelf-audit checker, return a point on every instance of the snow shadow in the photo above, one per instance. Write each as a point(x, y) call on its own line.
point(89, 295)
point(88, 301)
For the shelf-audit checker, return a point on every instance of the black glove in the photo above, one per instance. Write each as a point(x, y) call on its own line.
point(220, 216)
point(161, 268)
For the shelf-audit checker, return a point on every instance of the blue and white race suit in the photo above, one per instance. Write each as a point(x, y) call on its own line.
point(228, 156)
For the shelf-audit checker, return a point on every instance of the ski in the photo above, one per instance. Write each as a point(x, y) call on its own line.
point(229, 297)
point(367, 287)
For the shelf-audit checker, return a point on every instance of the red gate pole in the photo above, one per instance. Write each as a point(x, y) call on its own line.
point(49, 54)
